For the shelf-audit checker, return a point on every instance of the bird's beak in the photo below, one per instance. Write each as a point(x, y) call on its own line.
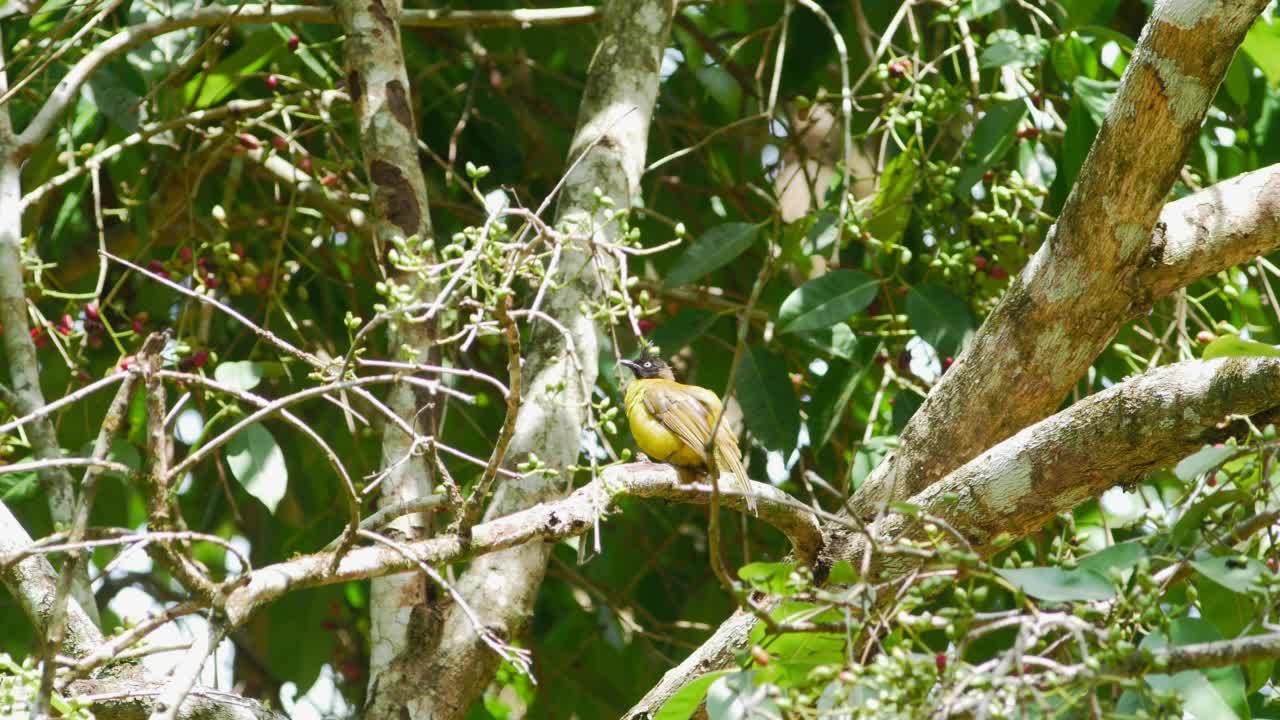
point(631, 365)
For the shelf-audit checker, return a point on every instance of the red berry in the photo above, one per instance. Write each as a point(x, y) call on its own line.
point(1029, 133)
point(83, 376)
point(264, 282)
point(947, 362)
point(139, 323)
point(988, 176)
point(899, 68)
point(157, 267)
point(1204, 337)
point(293, 43)
point(305, 164)
point(999, 273)
point(646, 326)
point(66, 327)
point(979, 262)
point(126, 362)
point(91, 311)
point(212, 281)
point(329, 180)
point(38, 337)
point(1272, 565)
point(279, 143)
point(940, 662)
point(273, 82)
point(186, 254)
point(249, 141)
point(1212, 480)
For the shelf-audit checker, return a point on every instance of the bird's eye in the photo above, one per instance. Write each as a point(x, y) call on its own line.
point(648, 364)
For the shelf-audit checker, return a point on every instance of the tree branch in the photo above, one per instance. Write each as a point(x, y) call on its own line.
point(550, 521)
point(1221, 226)
point(1117, 435)
point(219, 15)
point(1079, 287)
point(34, 583)
point(112, 699)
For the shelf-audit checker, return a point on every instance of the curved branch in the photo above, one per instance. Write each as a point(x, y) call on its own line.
point(1117, 435)
point(34, 583)
point(216, 15)
point(1080, 286)
point(1223, 225)
point(113, 699)
point(550, 521)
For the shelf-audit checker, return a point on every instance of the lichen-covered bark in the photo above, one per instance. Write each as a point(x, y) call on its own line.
point(452, 665)
point(1219, 227)
point(24, 367)
point(1115, 436)
point(34, 583)
point(1083, 282)
point(111, 699)
point(378, 83)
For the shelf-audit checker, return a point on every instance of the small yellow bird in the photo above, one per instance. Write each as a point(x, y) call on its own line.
point(672, 423)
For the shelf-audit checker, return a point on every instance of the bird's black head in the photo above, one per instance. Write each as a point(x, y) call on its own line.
point(648, 366)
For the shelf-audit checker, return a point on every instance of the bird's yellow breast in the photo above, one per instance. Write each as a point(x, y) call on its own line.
point(654, 439)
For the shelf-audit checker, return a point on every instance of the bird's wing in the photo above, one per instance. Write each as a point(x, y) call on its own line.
point(689, 412)
point(682, 414)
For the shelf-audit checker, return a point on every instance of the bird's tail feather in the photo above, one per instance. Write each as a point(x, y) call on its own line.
point(732, 463)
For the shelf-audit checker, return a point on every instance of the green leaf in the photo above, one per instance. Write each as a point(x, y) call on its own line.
point(992, 137)
point(18, 486)
point(905, 405)
point(1008, 48)
point(827, 300)
point(843, 573)
point(1089, 12)
point(232, 70)
point(1072, 57)
point(940, 318)
point(1262, 45)
point(972, 9)
point(716, 248)
point(736, 697)
point(1192, 520)
point(1215, 693)
point(687, 699)
point(768, 400)
point(1233, 572)
point(1096, 95)
point(258, 463)
point(722, 87)
point(1233, 615)
point(831, 397)
point(891, 209)
point(1057, 585)
point(770, 577)
point(242, 375)
point(822, 235)
point(686, 326)
point(1121, 556)
point(1203, 460)
point(1232, 346)
point(836, 341)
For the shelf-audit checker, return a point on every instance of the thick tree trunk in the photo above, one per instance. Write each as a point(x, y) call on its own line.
point(379, 85)
point(451, 666)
